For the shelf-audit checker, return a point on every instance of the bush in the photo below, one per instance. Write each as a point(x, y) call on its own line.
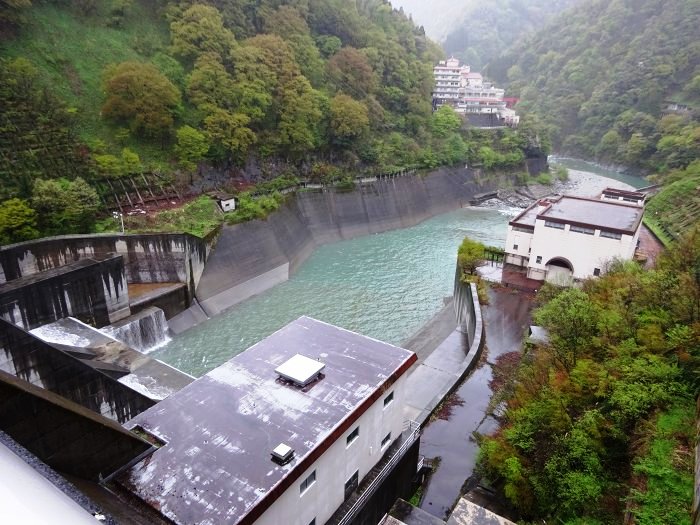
point(544, 179)
point(252, 208)
point(560, 172)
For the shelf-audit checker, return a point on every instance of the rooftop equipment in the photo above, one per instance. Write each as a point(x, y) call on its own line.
point(300, 370)
point(282, 454)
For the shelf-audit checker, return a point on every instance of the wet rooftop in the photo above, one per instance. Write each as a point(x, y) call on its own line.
point(595, 213)
point(220, 430)
point(529, 216)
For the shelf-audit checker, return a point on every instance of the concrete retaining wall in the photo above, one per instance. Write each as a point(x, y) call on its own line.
point(93, 291)
point(249, 258)
point(471, 326)
point(148, 258)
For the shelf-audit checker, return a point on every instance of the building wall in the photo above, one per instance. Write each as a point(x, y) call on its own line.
point(523, 241)
point(585, 252)
point(339, 463)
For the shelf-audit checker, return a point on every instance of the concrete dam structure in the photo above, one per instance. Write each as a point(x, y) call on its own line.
point(100, 279)
point(249, 258)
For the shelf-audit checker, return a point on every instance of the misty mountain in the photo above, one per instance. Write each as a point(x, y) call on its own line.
point(476, 31)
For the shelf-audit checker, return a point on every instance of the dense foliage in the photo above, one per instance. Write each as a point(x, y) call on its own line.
point(601, 420)
point(293, 80)
point(169, 86)
point(601, 75)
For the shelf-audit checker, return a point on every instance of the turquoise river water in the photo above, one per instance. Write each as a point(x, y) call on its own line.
point(386, 286)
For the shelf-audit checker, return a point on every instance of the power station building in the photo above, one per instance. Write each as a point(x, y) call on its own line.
point(571, 238)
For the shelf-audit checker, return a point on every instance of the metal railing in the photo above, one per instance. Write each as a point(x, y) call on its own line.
point(409, 434)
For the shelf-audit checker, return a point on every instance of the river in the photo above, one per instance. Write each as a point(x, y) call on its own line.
point(385, 285)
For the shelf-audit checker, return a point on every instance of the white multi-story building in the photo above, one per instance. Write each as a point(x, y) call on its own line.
point(468, 93)
point(448, 80)
point(285, 432)
point(570, 238)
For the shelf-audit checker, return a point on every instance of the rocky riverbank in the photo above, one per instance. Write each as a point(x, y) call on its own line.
point(580, 183)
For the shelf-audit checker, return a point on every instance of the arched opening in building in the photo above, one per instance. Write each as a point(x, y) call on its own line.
point(559, 271)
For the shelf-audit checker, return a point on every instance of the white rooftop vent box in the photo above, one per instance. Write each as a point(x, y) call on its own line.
point(300, 369)
point(282, 454)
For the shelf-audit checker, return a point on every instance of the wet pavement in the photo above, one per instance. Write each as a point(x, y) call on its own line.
point(449, 435)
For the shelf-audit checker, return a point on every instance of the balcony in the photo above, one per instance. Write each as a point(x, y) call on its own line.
point(352, 506)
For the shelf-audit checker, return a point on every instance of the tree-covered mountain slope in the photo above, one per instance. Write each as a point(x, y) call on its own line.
point(105, 92)
point(602, 74)
point(476, 31)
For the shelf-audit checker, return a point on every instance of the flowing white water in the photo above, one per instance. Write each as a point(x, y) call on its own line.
point(144, 333)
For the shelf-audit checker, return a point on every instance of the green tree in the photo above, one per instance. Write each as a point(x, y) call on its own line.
point(470, 256)
point(141, 96)
point(287, 22)
point(329, 45)
point(65, 206)
point(300, 115)
point(349, 71)
point(131, 162)
point(198, 30)
point(446, 121)
point(572, 320)
point(209, 85)
point(17, 221)
point(349, 119)
point(229, 133)
point(191, 147)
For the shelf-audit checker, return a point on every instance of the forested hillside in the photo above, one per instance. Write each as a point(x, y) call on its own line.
point(95, 91)
point(475, 31)
point(601, 75)
point(600, 422)
point(487, 28)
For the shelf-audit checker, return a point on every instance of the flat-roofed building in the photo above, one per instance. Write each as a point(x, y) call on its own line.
point(630, 197)
point(570, 238)
point(284, 432)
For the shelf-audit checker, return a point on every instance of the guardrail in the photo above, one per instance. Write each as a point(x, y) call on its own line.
point(306, 185)
point(410, 434)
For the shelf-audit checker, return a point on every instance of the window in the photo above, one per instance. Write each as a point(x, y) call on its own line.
point(523, 229)
point(353, 436)
point(596, 272)
point(310, 480)
point(539, 259)
point(556, 225)
point(388, 399)
point(610, 235)
point(312, 522)
point(386, 440)
point(515, 246)
point(579, 229)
